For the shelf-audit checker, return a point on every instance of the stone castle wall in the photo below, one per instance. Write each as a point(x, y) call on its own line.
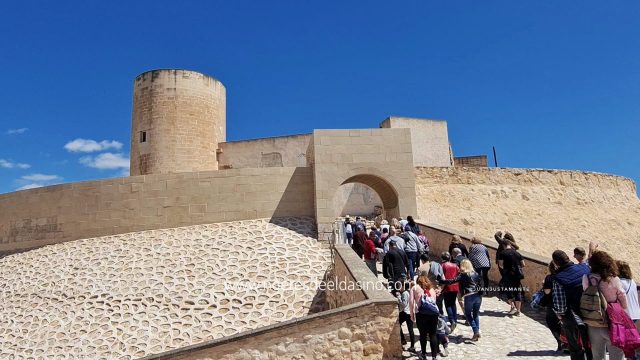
point(281, 151)
point(58, 213)
point(183, 116)
point(544, 209)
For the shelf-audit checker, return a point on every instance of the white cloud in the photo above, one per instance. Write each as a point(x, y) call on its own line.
point(30, 186)
point(106, 161)
point(11, 165)
point(88, 145)
point(41, 177)
point(17, 131)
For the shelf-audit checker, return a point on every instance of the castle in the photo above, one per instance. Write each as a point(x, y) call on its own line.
point(189, 186)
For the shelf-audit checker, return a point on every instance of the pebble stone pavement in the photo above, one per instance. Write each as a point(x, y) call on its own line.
point(503, 336)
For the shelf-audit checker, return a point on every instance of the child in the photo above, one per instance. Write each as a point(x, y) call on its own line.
point(403, 306)
point(442, 331)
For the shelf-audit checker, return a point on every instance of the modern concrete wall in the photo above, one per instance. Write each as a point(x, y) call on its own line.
point(281, 151)
point(184, 116)
point(379, 158)
point(429, 138)
point(362, 323)
point(58, 213)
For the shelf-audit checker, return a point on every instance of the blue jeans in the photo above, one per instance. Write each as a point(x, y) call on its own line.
point(450, 298)
point(472, 311)
point(412, 256)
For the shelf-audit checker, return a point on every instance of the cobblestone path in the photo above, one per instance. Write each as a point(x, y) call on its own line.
point(503, 336)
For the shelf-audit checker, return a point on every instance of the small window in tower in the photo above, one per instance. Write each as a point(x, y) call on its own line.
point(143, 136)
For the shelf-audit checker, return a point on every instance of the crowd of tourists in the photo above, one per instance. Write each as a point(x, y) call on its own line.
point(430, 288)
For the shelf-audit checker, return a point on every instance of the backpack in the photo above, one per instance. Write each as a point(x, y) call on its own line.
point(622, 330)
point(425, 243)
point(536, 300)
point(427, 305)
point(593, 305)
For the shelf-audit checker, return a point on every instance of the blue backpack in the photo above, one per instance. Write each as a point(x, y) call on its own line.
point(428, 305)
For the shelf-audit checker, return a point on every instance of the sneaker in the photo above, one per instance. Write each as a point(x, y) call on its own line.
point(444, 352)
point(512, 311)
point(517, 313)
point(453, 326)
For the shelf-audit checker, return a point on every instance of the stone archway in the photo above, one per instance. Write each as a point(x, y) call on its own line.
point(379, 158)
point(385, 191)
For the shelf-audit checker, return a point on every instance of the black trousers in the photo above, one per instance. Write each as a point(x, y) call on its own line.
point(553, 323)
point(577, 337)
point(484, 272)
point(404, 317)
point(427, 325)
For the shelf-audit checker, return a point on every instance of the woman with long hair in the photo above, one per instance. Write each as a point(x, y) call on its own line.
point(604, 274)
point(456, 242)
point(631, 292)
point(427, 322)
point(470, 282)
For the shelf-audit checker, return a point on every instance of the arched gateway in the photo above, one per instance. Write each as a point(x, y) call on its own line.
point(379, 158)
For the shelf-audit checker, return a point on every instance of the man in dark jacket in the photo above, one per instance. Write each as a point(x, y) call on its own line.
point(395, 265)
point(566, 294)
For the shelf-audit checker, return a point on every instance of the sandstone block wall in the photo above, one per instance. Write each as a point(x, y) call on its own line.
point(429, 138)
point(183, 114)
point(281, 151)
point(58, 213)
point(544, 209)
point(379, 158)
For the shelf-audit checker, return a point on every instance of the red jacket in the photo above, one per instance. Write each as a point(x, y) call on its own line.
point(450, 272)
point(370, 250)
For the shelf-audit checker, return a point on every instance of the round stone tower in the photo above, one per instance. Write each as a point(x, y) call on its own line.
point(179, 117)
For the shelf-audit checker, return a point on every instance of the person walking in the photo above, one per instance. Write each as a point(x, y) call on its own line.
point(393, 237)
point(412, 247)
point(370, 253)
point(512, 265)
point(404, 315)
point(566, 294)
point(425, 313)
point(415, 228)
point(358, 241)
point(604, 276)
point(348, 230)
point(469, 281)
point(456, 242)
point(450, 290)
point(631, 291)
point(553, 323)
point(480, 259)
point(395, 266)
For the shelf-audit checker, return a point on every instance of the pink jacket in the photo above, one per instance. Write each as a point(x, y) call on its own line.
point(611, 290)
point(414, 300)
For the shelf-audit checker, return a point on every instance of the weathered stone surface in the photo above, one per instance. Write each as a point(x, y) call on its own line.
point(544, 209)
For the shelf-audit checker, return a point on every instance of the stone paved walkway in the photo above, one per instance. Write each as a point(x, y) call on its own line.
point(503, 337)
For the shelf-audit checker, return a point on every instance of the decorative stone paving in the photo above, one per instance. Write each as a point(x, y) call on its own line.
point(131, 295)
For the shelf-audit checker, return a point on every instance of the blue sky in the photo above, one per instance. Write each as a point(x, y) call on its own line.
point(551, 84)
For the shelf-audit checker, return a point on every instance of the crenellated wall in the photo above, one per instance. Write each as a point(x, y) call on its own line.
point(58, 213)
point(544, 209)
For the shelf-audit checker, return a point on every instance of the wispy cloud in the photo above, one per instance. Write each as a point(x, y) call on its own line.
point(41, 177)
point(106, 161)
point(17, 131)
point(88, 145)
point(29, 186)
point(11, 165)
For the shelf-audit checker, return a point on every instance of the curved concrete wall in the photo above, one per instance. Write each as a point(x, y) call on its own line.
point(183, 116)
point(58, 213)
point(544, 209)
